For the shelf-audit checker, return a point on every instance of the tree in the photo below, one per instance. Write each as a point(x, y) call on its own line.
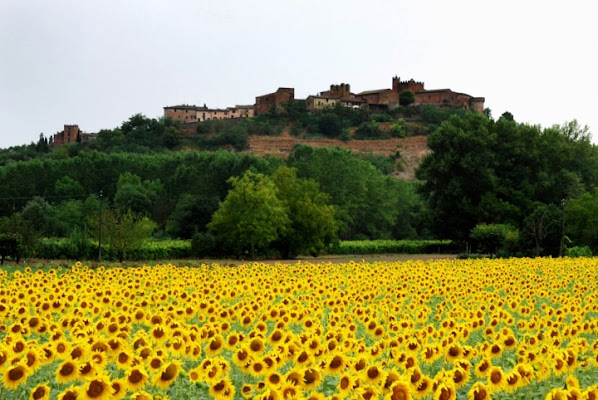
point(313, 225)
point(542, 223)
point(491, 237)
point(132, 193)
point(406, 97)
point(10, 246)
point(251, 216)
point(191, 214)
point(122, 231)
point(460, 179)
point(581, 218)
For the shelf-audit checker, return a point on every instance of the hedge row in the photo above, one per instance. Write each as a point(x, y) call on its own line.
point(61, 248)
point(394, 246)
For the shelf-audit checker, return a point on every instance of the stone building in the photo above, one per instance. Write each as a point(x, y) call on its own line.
point(389, 98)
point(69, 135)
point(192, 114)
point(265, 102)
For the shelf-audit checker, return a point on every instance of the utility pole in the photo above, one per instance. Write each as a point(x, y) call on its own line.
point(562, 246)
point(100, 232)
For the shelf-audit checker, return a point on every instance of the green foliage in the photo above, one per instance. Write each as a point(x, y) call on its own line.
point(490, 238)
point(330, 125)
point(406, 97)
point(10, 246)
point(581, 216)
point(312, 220)
point(191, 214)
point(543, 223)
point(577, 251)
point(381, 118)
point(140, 197)
point(369, 203)
point(250, 217)
point(392, 246)
point(369, 130)
point(501, 172)
point(123, 231)
point(398, 128)
point(203, 244)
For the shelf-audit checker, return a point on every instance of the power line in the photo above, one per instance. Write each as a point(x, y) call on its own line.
point(47, 197)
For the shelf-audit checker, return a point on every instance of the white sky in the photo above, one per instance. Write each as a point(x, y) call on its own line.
point(95, 63)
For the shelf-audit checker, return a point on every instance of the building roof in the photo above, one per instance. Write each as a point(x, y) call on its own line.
point(372, 92)
point(187, 107)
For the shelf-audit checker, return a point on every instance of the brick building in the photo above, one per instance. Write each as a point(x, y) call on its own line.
point(265, 102)
point(389, 98)
point(69, 135)
point(193, 114)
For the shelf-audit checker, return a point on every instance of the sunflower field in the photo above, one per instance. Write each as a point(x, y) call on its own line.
point(444, 329)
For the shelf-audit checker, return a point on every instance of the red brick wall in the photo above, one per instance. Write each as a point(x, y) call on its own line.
point(263, 103)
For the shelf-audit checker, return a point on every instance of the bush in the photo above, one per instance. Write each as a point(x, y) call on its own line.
point(369, 130)
point(203, 244)
point(490, 238)
point(398, 129)
point(406, 97)
point(351, 247)
point(578, 251)
point(381, 118)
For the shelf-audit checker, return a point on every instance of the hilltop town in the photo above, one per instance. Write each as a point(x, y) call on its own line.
point(379, 101)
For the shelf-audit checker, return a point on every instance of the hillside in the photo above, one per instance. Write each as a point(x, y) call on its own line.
point(412, 149)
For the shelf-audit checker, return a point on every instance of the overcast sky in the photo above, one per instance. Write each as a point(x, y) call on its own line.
point(96, 63)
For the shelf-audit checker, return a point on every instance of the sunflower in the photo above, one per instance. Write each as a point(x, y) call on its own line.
point(247, 391)
point(167, 375)
point(194, 375)
point(311, 378)
point(479, 391)
point(445, 391)
point(399, 391)
point(135, 377)
point(98, 388)
point(71, 393)
point(124, 360)
point(460, 377)
point(557, 394)
point(40, 392)
point(335, 365)
point(257, 368)
point(242, 358)
point(87, 370)
point(119, 389)
point(423, 388)
point(142, 395)
point(496, 379)
point(373, 375)
point(482, 368)
point(222, 389)
point(214, 346)
point(67, 371)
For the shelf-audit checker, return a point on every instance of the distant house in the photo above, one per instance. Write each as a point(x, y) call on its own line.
point(69, 135)
point(264, 103)
point(192, 114)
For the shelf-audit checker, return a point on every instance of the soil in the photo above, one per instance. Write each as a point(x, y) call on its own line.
point(411, 149)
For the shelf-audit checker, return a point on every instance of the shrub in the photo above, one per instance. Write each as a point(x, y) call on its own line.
point(398, 129)
point(406, 97)
point(369, 130)
point(203, 244)
point(578, 251)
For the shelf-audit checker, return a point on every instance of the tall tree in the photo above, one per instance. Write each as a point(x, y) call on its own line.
point(251, 216)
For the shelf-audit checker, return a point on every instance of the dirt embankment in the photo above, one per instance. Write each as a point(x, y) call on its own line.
point(411, 149)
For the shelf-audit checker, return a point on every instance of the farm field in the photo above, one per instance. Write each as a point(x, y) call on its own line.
point(421, 329)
